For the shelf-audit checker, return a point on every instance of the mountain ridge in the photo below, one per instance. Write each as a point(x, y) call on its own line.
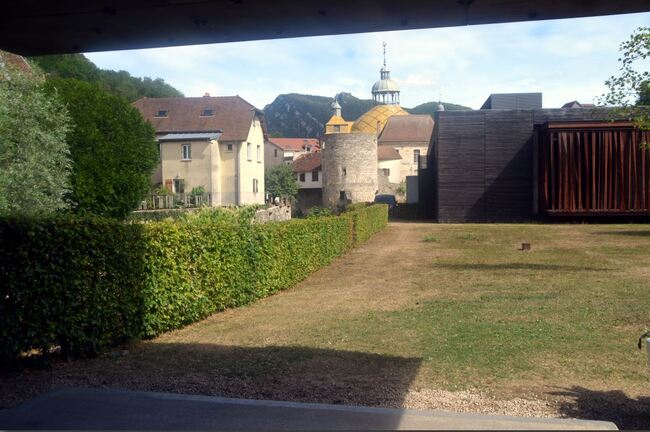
point(295, 115)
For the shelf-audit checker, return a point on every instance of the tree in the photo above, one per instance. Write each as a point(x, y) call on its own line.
point(113, 149)
point(630, 90)
point(121, 83)
point(281, 182)
point(34, 157)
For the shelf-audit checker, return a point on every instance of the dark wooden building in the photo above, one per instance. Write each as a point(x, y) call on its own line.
point(521, 165)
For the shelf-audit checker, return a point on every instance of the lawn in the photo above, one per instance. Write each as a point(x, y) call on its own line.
point(424, 316)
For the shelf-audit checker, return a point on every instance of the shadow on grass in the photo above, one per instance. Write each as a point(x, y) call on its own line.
point(630, 233)
point(516, 266)
point(287, 373)
point(614, 406)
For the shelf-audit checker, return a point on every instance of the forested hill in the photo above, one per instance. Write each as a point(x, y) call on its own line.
point(296, 115)
point(118, 82)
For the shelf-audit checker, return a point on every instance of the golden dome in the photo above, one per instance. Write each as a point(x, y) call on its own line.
point(379, 114)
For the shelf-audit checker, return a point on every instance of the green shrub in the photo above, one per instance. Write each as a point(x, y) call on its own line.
point(198, 190)
point(318, 211)
point(368, 221)
point(87, 284)
point(71, 282)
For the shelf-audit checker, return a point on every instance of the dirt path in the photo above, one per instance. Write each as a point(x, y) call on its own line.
point(313, 343)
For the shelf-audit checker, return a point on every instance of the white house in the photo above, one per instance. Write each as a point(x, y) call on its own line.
point(213, 143)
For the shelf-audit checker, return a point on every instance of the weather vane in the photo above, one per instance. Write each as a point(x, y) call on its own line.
point(384, 53)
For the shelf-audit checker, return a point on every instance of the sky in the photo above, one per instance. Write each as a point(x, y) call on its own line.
point(566, 60)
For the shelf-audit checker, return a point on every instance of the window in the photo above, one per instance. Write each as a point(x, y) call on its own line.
point(275, 152)
point(229, 147)
point(302, 177)
point(187, 152)
point(249, 151)
point(255, 186)
point(207, 113)
point(259, 153)
point(416, 156)
point(345, 172)
point(342, 195)
point(308, 149)
point(179, 186)
point(385, 171)
point(161, 113)
point(314, 175)
point(337, 128)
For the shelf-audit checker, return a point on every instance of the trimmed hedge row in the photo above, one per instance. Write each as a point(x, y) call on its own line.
point(88, 284)
point(368, 221)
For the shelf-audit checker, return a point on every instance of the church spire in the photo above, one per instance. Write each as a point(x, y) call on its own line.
point(385, 91)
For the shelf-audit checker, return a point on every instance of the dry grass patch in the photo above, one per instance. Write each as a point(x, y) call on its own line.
point(466, 322)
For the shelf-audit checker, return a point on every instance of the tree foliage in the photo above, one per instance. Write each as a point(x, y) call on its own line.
point(630, 90)
point(112, 147)
point(34, 157)
point(281, 182)
point(77, 66)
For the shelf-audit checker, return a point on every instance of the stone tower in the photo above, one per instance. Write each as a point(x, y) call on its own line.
point(349, 164)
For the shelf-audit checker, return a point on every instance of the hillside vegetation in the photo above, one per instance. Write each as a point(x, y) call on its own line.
point(296, 115)
point(117, 82)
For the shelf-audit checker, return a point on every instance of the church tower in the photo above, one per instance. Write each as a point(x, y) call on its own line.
point(385, 91)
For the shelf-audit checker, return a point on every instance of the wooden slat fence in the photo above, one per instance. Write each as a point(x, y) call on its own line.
point(594, 168)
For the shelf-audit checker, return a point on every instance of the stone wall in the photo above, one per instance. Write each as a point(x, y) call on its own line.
point(349, 163)
point(273, 214)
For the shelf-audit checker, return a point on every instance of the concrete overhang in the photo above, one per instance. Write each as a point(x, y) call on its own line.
point(35, 27)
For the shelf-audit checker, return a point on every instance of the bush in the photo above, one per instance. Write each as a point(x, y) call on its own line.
point(368, 221)
point(113, 149)
point(88, 284)
point(71, 282)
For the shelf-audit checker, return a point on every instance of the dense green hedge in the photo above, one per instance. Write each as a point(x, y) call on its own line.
point(70, 282)
point(368, 221)
point(88, 284)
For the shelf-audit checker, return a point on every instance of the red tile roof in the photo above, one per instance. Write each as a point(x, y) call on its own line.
point(232, 114)
point(408, 128)
point(295, 144)
point(307, 162)
point(385, 152)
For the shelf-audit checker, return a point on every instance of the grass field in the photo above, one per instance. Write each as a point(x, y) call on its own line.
point(426, 316)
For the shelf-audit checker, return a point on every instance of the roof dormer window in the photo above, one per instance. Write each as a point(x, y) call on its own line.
point(207, 113)
point(161, 113)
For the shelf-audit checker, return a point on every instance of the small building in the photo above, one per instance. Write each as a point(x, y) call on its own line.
point(522, 165)
point(410, 136)
point(389, 163)
point(309, 174)
point(286, 150)
point(210, 143)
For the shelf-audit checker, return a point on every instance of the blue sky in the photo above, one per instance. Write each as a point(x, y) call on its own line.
point(565, 59)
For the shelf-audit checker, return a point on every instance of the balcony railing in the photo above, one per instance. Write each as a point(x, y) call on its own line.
point(157, 202)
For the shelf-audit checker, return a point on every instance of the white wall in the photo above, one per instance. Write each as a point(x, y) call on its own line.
point(253, 168)
point(309, 183)
point(395, 169)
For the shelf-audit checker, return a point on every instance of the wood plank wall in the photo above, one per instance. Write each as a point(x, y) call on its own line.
point(483, 162)
point(594, 171)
